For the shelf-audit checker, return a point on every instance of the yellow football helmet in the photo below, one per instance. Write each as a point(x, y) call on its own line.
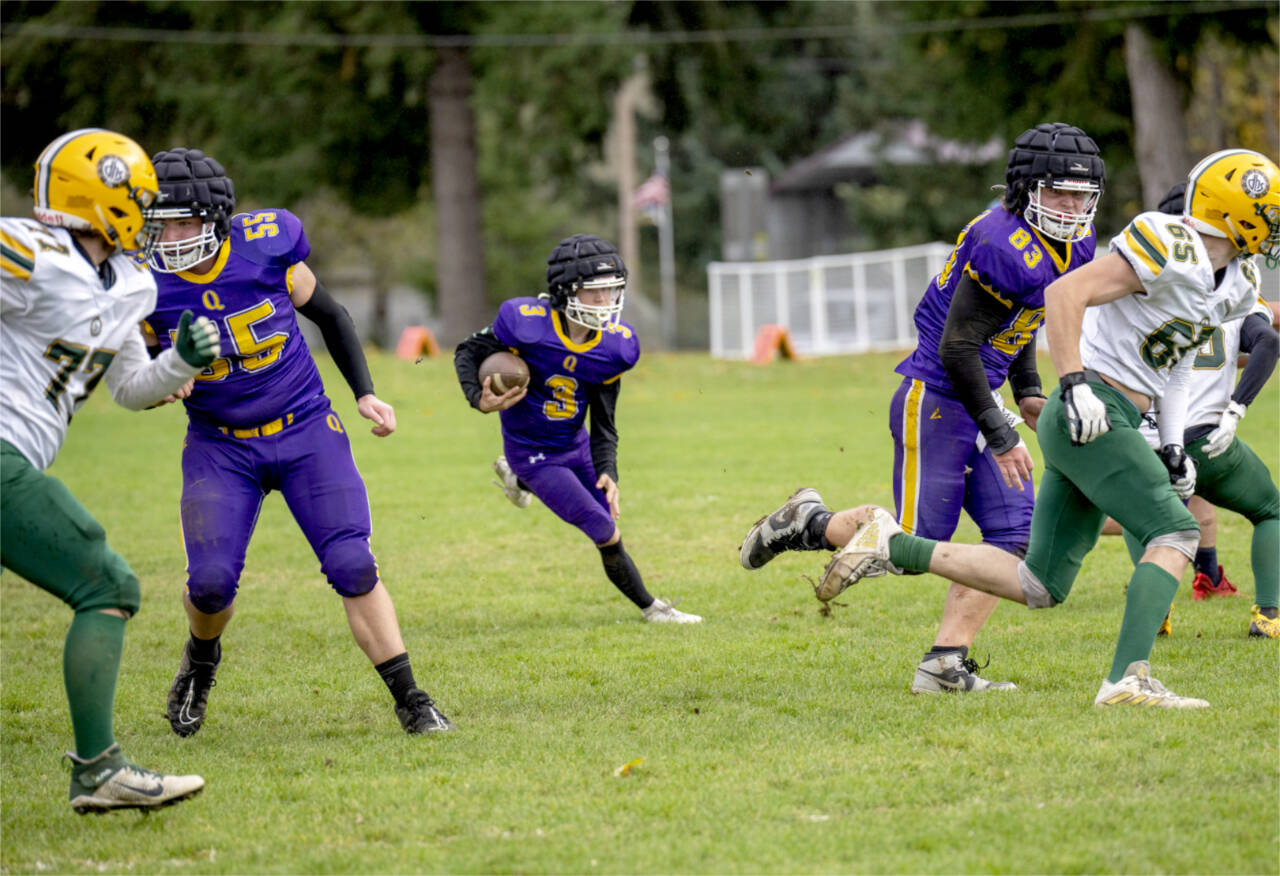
point(1236, 194)
point(97, 180)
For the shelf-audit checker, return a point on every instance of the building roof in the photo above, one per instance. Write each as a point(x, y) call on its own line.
point(857, 156)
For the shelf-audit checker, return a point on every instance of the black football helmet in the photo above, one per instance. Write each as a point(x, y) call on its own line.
point(1055, 156)
point(192, 184)
point(585, 261)
point(1174, 199)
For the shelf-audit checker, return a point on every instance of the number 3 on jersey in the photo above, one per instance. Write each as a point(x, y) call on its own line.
point(564, 400)
point(254, 353)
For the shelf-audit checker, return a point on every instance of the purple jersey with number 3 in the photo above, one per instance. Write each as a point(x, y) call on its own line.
point(265, 370)
point(550, 416)
point(1010, 260)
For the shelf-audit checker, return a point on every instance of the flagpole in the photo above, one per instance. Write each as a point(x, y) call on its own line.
point(666, 245)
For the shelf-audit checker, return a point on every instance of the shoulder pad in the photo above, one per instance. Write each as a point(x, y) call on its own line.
point(521, 320)
point(273, 238)
point(21, 243)
point(1155, 243)
point(626, 344)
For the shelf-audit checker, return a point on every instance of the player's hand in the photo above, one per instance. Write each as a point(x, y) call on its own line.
point(604, 482)
point(1182, 471)
point(1086, 414)
point(1015, 466)
point(1029, 408)
point(491, 401)
point(182, 392)
point(197, 342)
point(1220, 438)
point(379, 412)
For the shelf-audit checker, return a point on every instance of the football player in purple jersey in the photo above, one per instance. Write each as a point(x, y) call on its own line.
point(259, 420)
point(955, 446)
point(577, 349)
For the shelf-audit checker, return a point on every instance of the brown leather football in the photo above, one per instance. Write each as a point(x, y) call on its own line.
point(507, 370)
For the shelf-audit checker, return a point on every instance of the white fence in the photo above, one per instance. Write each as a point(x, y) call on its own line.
point(829, 304)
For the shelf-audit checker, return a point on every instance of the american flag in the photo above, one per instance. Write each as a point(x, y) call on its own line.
point(653, 193)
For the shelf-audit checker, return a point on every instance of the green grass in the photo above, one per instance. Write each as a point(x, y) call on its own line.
point(774, 739)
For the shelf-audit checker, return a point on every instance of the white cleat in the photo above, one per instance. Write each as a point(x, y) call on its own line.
point(510, 484)
point(663, 612)
point(952, 673)
point(1138, 688)
point(865, 556)
point(109, 782)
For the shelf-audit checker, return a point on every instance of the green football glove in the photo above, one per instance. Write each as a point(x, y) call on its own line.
point(197, 341)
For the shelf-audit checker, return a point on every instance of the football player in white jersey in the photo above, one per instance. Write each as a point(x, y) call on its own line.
point(1120, 331)
point(72, 293)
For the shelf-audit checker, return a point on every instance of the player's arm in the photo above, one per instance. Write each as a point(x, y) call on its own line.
point(1106, 278)
point(1262, 343)
point(312, 300)
point(466, 362)
point(974, 317)
point(138, 381)
point(602, 402)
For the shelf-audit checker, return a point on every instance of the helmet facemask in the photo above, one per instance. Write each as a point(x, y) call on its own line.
point(1062, 225)
point(597, 316)
point(172, 256)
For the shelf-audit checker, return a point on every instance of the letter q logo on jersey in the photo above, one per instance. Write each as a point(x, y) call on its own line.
point(113, 170)
point(1255, 183)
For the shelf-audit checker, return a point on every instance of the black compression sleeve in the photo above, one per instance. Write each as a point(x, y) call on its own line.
point(339, 333)
point(974, 316)
point(1260, 341)
point(1023, 375)
point(466, 362)
point(602, 401)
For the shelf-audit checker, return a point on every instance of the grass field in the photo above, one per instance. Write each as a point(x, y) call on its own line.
point(773, 739)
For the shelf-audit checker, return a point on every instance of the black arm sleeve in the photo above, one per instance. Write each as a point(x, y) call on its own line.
point(973, 318)
point(1260, 341)
point(339, 333)
point(602, 401)
point(467, 358)
point(1023, 375)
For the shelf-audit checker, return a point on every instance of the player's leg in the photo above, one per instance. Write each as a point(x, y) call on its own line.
point(566, 483)
point(48, 537)
point(1210, 578)
point(1239, 481)
point(221, 497)
point(1116, 474)
point(318, 478)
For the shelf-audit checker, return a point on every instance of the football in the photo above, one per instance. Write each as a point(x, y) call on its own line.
point(507, 370)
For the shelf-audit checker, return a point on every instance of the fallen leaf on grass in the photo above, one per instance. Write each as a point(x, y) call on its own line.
point(625, 770)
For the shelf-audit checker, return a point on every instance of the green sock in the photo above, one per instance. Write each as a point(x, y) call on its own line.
point(1147, 601)
point(90, 664)
point(911, 552)
point(1265, 555)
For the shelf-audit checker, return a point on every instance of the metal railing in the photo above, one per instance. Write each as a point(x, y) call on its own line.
point(829, 305)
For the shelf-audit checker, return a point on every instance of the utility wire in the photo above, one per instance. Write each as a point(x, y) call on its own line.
point(622, 37)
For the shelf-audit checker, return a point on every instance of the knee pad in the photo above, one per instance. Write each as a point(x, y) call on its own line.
point(350, 567)
point(211, 588)
point(1034, 591)
point(1184, 542)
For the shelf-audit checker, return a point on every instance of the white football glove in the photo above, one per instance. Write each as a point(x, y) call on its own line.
point(1086, 414)
point(1182, 471)
point(1220, 438)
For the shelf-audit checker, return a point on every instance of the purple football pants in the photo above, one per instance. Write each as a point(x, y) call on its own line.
point(939, 471)
point(224, 480)
point(566, 483)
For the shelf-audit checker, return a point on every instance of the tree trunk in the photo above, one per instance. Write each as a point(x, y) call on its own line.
point(1159, 123)
point(460, 272)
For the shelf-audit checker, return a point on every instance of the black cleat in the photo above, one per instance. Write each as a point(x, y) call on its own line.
point(418, 714)
point(189, 695)
point(780, 530)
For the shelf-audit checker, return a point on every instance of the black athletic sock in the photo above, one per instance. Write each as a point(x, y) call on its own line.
point(814, 535)
point(1206, 561)
point(398, 675)
point(944, 650)
point(206, 650)
point(624, 574)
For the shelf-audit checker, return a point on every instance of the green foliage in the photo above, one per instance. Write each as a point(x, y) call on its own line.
point(774, 739)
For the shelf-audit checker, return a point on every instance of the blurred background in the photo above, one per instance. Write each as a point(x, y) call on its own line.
point(437, 151)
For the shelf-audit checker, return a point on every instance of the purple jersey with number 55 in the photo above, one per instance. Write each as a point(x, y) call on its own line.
point(1008, 258)
point(550, 416)
point(265, 370)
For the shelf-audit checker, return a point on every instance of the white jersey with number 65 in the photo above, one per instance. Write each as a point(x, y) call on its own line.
point(1138, 339)
point(61, 327)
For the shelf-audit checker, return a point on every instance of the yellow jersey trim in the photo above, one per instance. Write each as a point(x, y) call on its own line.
point(973, 275)
point(563, 335)
point(1139, 251)
point(1059, 262)
point(205, 279)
